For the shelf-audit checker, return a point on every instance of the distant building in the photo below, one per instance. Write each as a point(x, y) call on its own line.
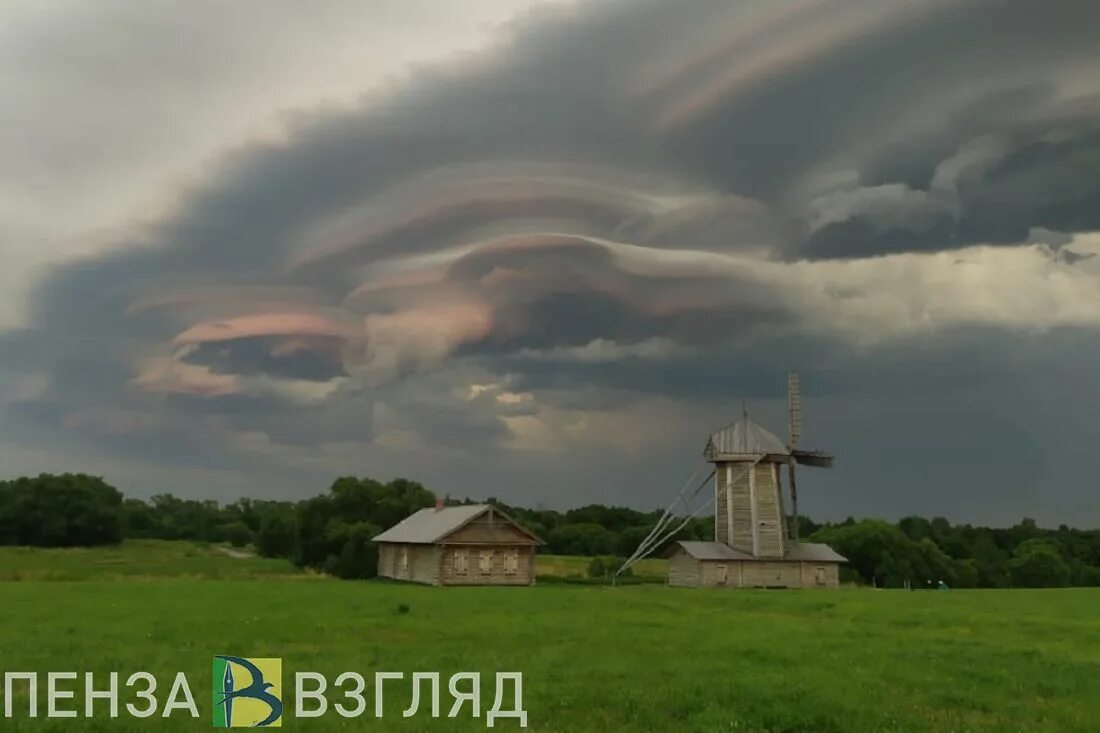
point(752, 547)
point(458, 545)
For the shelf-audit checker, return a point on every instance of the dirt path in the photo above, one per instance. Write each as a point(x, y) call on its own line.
point(239, 554)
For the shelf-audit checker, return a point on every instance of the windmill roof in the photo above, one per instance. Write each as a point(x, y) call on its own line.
point(744, 437)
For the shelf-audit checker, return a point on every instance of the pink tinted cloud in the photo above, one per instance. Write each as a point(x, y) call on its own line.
point(265, 324)
point(169, 376)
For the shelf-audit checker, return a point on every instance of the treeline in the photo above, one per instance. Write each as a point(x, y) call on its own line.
point(331, 532)
point(923, 552)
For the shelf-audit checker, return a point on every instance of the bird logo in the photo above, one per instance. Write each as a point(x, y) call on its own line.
point(247, 692)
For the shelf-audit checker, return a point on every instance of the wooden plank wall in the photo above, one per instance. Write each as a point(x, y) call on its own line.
point(813, 571)
point(769, 512)
point(523, 575)
point(489, 529)
point(686, 571)
point(423, 565)
point(721, 524)
point(741, 538)
point(777, 574)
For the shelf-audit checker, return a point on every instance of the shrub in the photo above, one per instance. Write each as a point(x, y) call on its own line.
point(237, 534)
point(605, 566)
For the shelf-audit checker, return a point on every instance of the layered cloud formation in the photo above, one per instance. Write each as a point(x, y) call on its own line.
point(545, 270)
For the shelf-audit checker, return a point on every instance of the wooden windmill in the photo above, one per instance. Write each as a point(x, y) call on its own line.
point(752, 547)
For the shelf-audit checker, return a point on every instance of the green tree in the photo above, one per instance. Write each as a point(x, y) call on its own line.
point(1036, 563)
point(359, 555)
point(277, 535)
point(236, 533)
point(63, 510)
point(581, 539)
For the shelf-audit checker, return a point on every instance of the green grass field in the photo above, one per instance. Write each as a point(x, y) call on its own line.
point(564, 566)
point(135, 560)
point(636, 658)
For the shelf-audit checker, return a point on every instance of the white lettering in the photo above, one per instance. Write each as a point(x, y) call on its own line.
point(146, 694)
point(474, 695)
point(32, 692)
point(179, 687)
point(379, 678)
point(301, 694)
point(91, 694)
point(434, 678)
point(53, 694)
point(356, 694)
point(517, 700)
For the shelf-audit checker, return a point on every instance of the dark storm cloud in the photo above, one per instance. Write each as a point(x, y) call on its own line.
point(317, 359)
point(994, 188)
point(619, 206)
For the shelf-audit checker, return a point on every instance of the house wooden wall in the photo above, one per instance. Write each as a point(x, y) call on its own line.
point(488, 529)
point(501, 572)
point(687, 571)
point(422, 564)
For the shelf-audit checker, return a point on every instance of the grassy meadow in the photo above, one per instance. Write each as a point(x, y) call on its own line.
point(136, 560)
point(594, 658)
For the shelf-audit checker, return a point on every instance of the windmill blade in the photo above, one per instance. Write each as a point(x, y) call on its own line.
point(794, 432)
point(794, 410)
point(818, 458)
point(794, 498)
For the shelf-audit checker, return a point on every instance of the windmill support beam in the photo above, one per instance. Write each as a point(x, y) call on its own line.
point(794, 499)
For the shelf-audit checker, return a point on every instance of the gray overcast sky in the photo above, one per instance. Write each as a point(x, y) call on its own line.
point(539, 250)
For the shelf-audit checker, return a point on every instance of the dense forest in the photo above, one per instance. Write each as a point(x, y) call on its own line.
point(332, 532)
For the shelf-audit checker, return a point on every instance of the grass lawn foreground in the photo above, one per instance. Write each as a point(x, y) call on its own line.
point(593, 658)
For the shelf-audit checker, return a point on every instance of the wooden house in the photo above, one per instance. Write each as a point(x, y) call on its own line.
point(752, 547)
point(458, 545)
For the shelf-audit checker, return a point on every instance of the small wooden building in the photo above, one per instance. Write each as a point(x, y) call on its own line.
point(714, 564)
point(458, 545)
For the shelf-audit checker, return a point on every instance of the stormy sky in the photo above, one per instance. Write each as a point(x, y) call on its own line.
point(539, 250)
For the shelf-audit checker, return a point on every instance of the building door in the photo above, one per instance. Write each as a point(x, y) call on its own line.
point(723, 573)
point(819, 576)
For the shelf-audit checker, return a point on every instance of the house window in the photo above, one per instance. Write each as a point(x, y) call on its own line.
point(486, 562)
point(723, 574)
point(462, 562)
point(511, 562)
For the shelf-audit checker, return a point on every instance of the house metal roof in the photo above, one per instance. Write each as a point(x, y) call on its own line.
point(813, 552)
point(744, 438)
point(428, 525)
point(713, 551)
point(432, 525)
point(801, 551)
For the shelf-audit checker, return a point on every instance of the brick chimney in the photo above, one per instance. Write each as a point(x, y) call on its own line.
point(438, 504)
